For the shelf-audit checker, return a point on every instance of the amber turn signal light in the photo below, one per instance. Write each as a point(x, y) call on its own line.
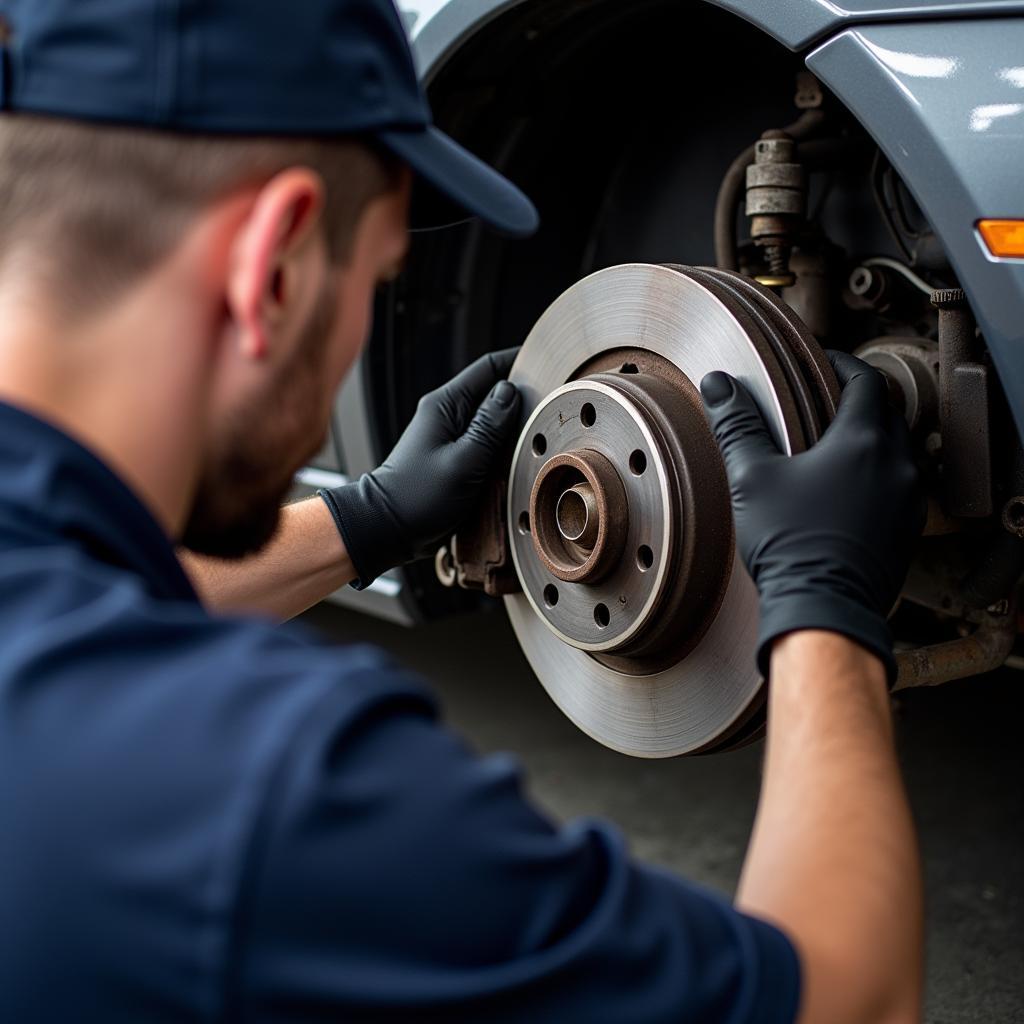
point(1003, 237)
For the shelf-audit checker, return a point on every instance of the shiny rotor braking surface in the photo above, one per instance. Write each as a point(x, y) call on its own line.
point(650, 654)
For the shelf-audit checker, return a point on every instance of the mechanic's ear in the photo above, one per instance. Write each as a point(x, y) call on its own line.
point(273, 256)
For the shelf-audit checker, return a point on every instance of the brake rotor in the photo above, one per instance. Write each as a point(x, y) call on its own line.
point(635, 613)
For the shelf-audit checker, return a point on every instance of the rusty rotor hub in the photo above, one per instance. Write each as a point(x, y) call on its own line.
point(616, 552)
point(580, 515)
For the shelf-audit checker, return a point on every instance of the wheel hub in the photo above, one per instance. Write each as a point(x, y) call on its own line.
point(616, 553)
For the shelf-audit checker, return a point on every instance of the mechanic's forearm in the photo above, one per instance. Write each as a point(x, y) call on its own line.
point(304, 563)
point(833, 859)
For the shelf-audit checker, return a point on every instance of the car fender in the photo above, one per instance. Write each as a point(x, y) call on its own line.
point(945, 102)
point(438, 27)
point(800, 23)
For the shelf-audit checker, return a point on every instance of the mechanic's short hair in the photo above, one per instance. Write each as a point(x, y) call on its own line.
point(94, 207)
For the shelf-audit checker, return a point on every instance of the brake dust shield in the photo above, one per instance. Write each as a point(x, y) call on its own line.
point(635, 613)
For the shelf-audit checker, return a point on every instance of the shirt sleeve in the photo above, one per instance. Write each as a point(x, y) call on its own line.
point(395, 875)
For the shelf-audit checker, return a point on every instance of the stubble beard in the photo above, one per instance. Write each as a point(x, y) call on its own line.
point(237, 507)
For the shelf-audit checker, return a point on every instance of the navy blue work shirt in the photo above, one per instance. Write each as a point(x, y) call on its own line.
point(209, 819)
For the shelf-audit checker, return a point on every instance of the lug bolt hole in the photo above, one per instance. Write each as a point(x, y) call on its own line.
point(551, 595)
point(1013, 516)
point(540, 444)
point(524, 522)
point(602, 616)
point(644, 558)
point(638, 463)
point(588, 415)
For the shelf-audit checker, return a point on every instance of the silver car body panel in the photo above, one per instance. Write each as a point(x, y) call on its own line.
point(800, 23)
point(945, 102)
point(438, 27)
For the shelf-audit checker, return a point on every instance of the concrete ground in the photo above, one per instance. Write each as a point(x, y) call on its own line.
point(960, 746)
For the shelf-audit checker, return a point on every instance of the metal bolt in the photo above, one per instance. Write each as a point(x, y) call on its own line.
point(949, 298)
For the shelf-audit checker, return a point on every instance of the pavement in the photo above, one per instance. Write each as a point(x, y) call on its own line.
point(960, 747)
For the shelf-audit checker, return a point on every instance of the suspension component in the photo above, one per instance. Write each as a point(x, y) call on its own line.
point(963, 410)
point(911, 368)
point(983, 650)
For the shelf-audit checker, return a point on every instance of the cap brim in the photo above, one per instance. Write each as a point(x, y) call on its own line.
point(464, 179)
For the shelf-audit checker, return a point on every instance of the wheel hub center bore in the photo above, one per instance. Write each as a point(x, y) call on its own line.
point(577, 515)
point(607, 532)
point(579, 509)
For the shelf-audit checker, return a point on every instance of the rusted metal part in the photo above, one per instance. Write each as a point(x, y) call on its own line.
point(811, 385)
point(949, 298)
point(1012, 516)
point(983, 651)
point(881, 289)
point(776, 203)
point(587, 474)
point(811, 297)
point(788, 335)
point(702, 535)
point(479, 555)
point(769, 328)
point(730, 192)
point(702, 541)
point(963, 410)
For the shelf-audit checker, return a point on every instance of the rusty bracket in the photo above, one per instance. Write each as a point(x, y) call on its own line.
point(984, 650)
point(478, 557)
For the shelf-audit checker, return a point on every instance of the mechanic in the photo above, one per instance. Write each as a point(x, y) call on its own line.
point(207, 816)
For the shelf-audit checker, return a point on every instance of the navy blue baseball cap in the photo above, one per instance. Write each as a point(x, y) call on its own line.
point(304, 68)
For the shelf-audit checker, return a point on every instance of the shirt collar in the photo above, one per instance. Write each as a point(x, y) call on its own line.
point(53, 490)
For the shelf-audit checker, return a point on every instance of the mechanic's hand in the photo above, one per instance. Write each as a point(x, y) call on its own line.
point(827, 534)
point(435, 476)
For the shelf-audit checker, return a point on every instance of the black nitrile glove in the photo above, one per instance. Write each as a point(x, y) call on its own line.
point(827, 534)
point(435, 476)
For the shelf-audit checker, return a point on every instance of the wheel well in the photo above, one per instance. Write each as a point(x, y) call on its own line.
point(618, 120)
